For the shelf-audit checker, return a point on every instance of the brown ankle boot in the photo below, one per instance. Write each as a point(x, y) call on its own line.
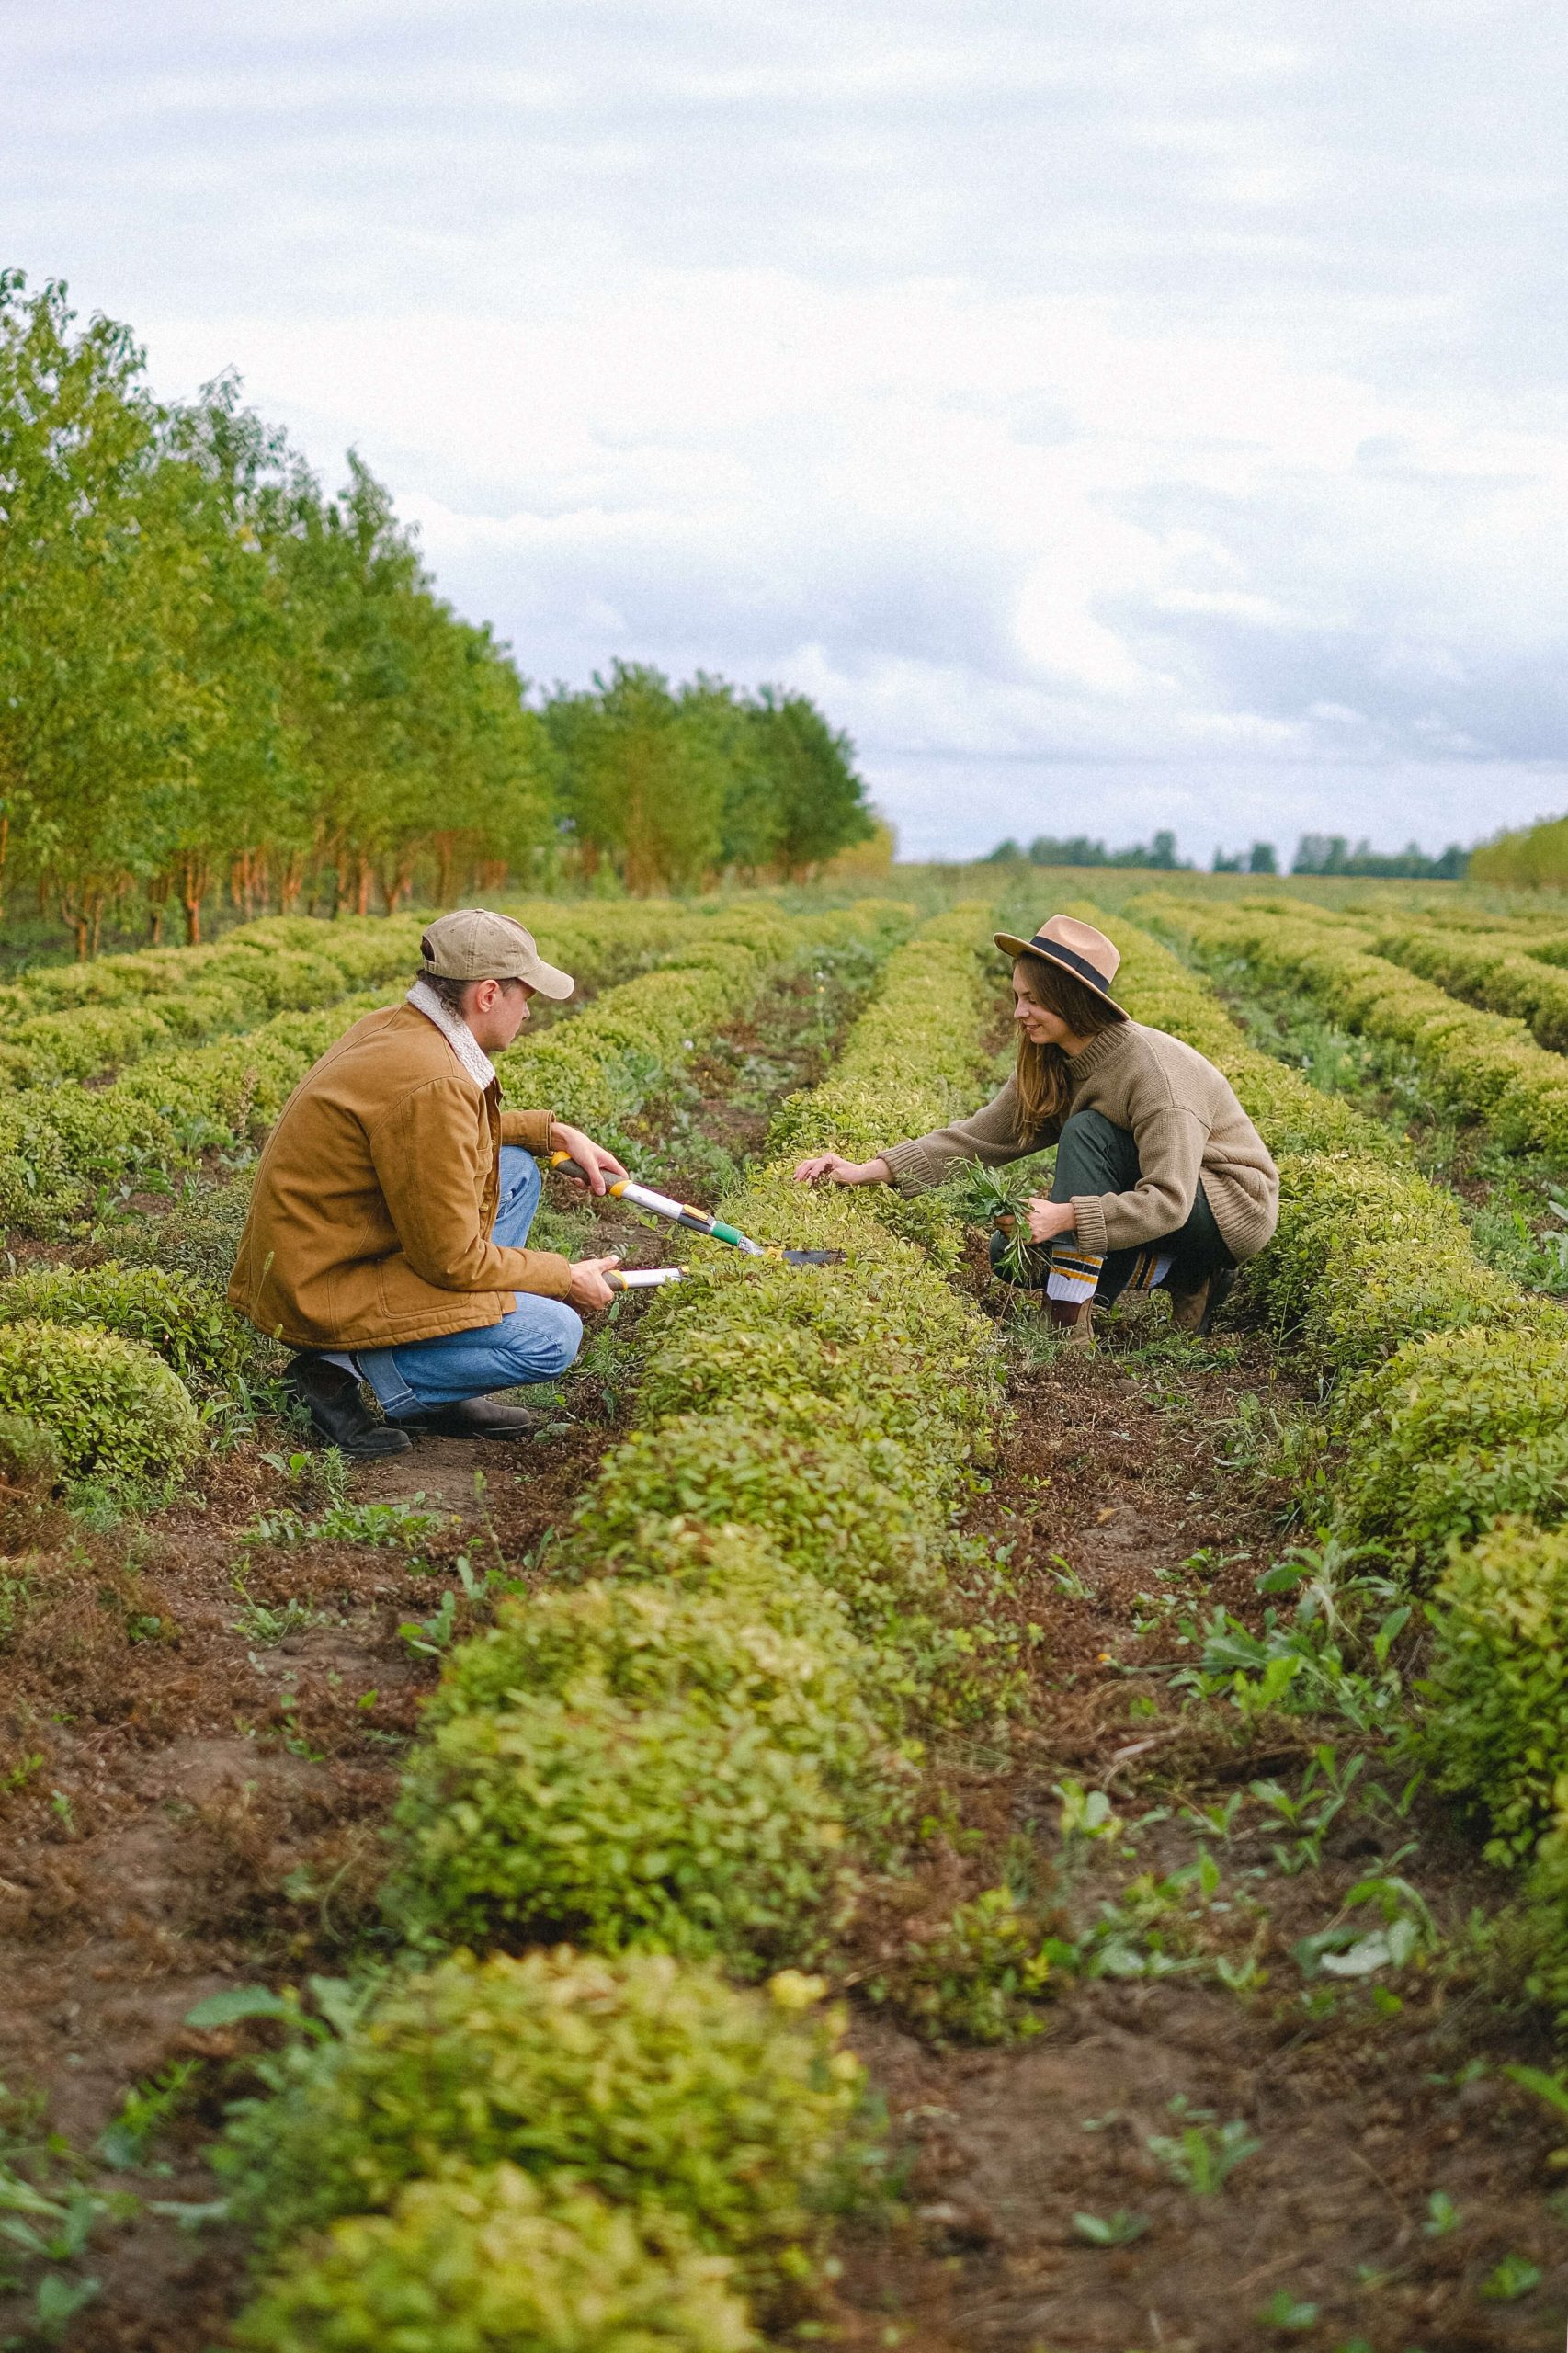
point(1075, 1319)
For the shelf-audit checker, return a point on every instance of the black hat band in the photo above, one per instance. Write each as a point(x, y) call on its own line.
point(1056, 953)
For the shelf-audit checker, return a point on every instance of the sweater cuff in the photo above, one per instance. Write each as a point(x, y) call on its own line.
point(1088, 1212)
point(531, 1129)
point(910, 1169)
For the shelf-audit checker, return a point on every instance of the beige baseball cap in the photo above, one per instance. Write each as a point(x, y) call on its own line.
point(474, 945)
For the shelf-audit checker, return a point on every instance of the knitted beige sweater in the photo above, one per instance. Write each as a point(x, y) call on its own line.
point(1183, 1117)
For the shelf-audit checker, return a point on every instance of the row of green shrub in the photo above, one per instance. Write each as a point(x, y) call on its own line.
point(599, 1068)
point(1483, 1064)
point(1497, 970)
point(1456, 1446)
point(681, 1753)
point(117, 1415)
point(77, 1021)
point(58, 1146)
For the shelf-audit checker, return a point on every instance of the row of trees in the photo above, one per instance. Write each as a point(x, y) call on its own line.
point(1315, 854)
point(1331, 854)
point(214, 675)
point(1047, 850)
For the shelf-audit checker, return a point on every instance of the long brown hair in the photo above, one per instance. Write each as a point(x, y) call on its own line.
point(1045, 1085)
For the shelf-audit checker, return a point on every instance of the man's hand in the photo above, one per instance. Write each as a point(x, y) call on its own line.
point(832, 1168)
point(1047, 1219)
point(594, 1163)
point(588, 1289)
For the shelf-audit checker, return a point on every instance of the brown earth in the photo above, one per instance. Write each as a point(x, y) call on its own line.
point(1114, 1479)
point(207, 1805)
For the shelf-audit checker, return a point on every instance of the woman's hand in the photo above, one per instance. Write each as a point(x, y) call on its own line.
point(830, 1167)
point(1047, 1219)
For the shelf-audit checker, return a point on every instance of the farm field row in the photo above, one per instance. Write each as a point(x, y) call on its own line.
point(1486, 1064)
point(814, 1635)
point(689, 1742)
point(163, 1002)
point(82, 1347)
point(630, 1045)
point(1451, 1429)
point(786, 1673)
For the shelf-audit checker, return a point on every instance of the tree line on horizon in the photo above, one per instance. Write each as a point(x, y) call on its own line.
point(1315, 854)
point(215, 676)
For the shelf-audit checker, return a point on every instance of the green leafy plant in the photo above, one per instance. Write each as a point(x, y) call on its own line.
point(1513, 2277)
point(654, 2082)
point(491, 2262)
point(980, 1977)
point(114, 1409)
point(1120, 2229)
point(1202, 2157)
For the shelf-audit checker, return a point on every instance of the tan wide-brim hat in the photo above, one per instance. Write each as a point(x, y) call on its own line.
point(1078, 948)
point(474, 945)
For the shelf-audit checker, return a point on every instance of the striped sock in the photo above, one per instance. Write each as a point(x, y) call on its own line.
point(1149, 1269)
point(1073, 1275)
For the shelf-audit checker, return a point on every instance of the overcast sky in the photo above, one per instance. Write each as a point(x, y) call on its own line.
point(1118, 412)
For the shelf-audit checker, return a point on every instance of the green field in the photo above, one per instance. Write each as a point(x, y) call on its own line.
point(877, 1830)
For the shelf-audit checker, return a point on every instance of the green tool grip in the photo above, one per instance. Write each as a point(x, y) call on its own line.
point(725, 1233)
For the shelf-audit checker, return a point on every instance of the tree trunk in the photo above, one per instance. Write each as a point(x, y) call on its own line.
point(290, 883)
point(194, 878)
point(363, 881)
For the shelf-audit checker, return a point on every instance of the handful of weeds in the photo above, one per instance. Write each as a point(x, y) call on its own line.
point(998, 1198)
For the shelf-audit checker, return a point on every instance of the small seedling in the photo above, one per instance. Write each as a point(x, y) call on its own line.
point(145, 2109)
point(1067, 1580)
point(1442, 2215)
point(1202, 2157)
point(1110, 2229)
point(1283, 2311)
point(431, 1636)
point(268, 1623)
point(1513, 2278)
point(1086, 1814)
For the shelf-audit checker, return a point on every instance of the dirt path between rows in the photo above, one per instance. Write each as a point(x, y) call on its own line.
point(203, 1721)
point(1327, 2233)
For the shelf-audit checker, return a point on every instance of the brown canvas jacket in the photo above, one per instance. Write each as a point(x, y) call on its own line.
point(370, 1222)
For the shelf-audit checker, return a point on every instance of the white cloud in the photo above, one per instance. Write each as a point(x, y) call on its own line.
point(1125, 399)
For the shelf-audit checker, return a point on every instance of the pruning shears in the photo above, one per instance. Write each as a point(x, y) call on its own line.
point(696, 1220)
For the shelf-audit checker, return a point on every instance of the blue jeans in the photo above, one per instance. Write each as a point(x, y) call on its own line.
point(536, 1342)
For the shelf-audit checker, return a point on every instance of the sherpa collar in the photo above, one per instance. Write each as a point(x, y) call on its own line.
point(457, 1034)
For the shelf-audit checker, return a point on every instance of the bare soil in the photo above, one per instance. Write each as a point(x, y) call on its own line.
point(1362, 2108)
point(192, 1800)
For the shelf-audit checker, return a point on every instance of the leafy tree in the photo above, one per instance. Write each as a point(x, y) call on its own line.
point(643, 777)
point(820, 800)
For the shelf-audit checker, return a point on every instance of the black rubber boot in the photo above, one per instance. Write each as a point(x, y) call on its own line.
point(474, 1417)
point(331, 1397)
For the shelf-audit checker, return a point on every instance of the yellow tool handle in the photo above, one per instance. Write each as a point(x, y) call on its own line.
point(559, 1160)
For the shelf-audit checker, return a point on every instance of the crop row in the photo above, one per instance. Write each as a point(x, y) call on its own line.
point(1493, 970)
point(59, 1146)
point(1451, 1412)
point(682, 1753)
point(74, 1343)
point(1483, 1065)
point(78, 1021)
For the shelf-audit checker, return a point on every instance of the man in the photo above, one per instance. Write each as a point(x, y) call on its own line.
point(386, 1232)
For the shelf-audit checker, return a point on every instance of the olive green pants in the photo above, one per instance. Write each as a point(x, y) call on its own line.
point(1093, 1156)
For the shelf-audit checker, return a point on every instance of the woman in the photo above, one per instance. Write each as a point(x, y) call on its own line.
point(1161, 1177)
